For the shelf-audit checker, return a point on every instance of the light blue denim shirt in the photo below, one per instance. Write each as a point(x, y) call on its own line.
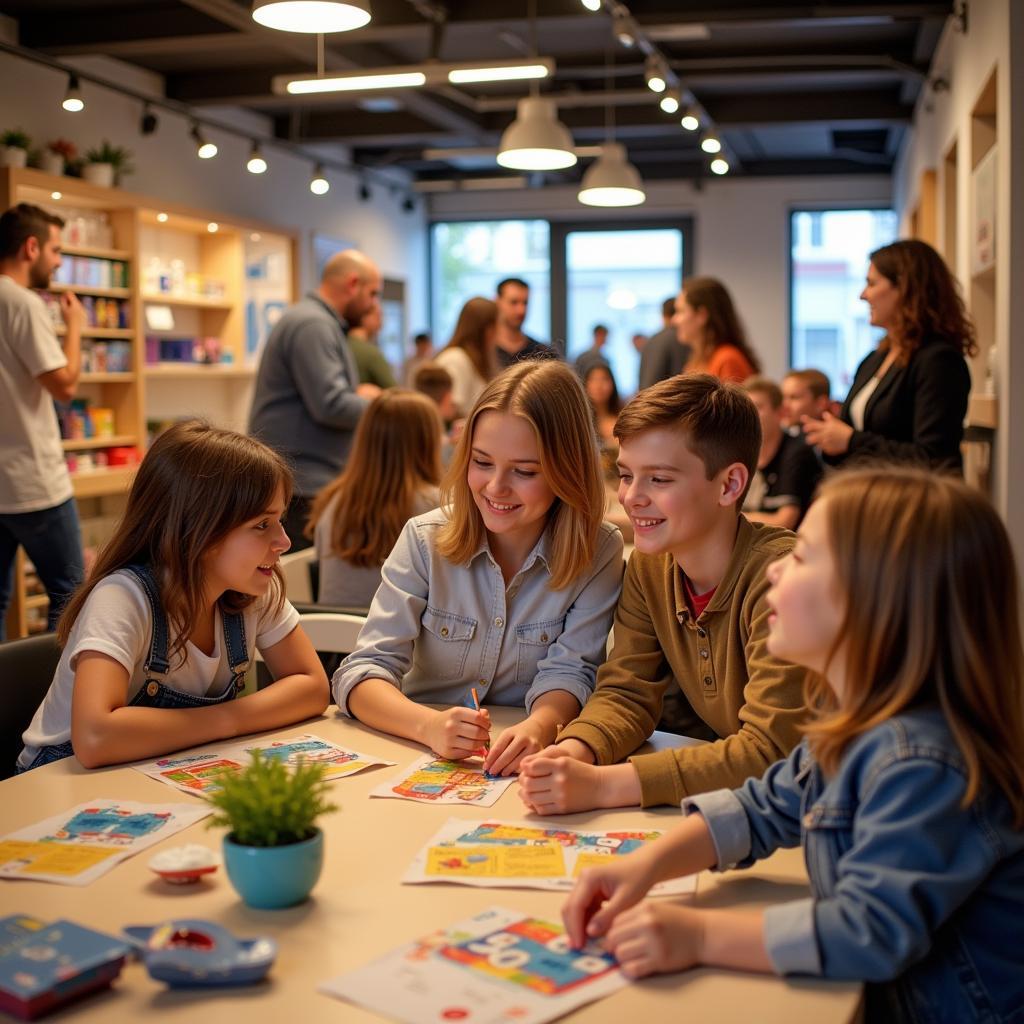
point(436, 629)
point(909, 888)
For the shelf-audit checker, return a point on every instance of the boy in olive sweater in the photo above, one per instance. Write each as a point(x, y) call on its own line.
point(691, 626)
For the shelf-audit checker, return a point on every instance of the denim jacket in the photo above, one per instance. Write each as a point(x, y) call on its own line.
point(436, 629)
point(909, 888)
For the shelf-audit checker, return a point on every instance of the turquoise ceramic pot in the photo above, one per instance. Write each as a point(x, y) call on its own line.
point(271, 877)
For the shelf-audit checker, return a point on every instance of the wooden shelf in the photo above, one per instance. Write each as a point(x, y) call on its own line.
point(88, 289)
point(113, 377)
point(95, 483)
point(180, 371)
point(114, 441)
point(983, 411)
point(95, 251)
point(188, 301)
point(102, 332)
point(36, 601)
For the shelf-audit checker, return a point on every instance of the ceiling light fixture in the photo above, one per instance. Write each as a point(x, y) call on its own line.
point(213, 227)
point(720, 165)
point(256, 164)
point(690, 120)
point(73, 101)
point(384, 79)
point(318, 184)
point(320, 16)
point(505, 71)
point(536, 140)
point(162, 218)
point(670, 101)
point(624, 28)
point(655, 73)
point(205, 149)
point(592, 5)
point(711, 144)
point(611, 180)
point(149, 122)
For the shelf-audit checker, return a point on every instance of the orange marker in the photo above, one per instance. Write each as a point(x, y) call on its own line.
point(476, 704)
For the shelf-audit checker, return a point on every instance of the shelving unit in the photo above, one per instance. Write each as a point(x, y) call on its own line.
point(235, 309)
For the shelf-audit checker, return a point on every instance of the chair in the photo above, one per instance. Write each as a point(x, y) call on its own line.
point(333, 634)
point(298, 581)
point(26, 671)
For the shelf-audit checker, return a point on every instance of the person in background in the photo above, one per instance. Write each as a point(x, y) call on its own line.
point(308, 398)
point(706, 319)
point(909, 397)
point(664, 355)
point(392, 474)
point(593, 356)
point(37, 510)
point(907, 793)
point(599, 384)
point(804, 393)
point(156, 642)
point(513, 299)
point(788, 471)
point(469, 357)
point(639, 342)
point(436, 383)
point(508, 588)
point(371, 365)
point(423, 352)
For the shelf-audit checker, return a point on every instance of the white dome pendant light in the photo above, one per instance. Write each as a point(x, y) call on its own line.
point(319, 16)
point(536, 140)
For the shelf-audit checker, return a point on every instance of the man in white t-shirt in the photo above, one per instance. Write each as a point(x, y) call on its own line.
point(37, 510)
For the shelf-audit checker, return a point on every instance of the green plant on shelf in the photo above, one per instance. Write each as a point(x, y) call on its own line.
point(15, 138)
point(119, 157)
point(270, 804)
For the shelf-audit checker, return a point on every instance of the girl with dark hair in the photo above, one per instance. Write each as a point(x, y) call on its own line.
point(603, 392)
point(707, 321)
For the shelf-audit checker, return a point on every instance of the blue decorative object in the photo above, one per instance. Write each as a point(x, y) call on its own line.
point(272, 877)
point(193, 953)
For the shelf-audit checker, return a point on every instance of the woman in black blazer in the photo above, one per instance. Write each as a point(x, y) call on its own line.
point(909, 396)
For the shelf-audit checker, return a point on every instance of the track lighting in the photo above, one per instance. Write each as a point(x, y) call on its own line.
point(690, 120)
point(655, 73)
point(624, 29)
point(365, 194)
point(318, 184)
point(670, 101)
point(311, 15)
point(720, 165)
point(256, 164)
point(149, 122)
point(73, 101)
point(408, 204)
point(592, 5)
point(711, 143)
point(205, 149)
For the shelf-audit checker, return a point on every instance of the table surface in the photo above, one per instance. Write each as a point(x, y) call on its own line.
point(359, 910)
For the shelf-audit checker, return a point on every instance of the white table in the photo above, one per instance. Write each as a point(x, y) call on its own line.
point(359, 910)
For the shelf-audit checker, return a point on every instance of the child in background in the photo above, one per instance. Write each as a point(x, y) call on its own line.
point(158, 639)
point(599, 383)
point(907, 793)
point(392, 474)
point(507, 589)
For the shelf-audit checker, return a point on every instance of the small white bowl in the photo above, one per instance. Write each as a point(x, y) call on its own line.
point(183, 865)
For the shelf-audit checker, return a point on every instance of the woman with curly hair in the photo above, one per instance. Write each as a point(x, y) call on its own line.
point(909, 396)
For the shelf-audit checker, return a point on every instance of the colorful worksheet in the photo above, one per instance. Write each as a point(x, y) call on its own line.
point(76, 847)
point(435, 780)
point(495, 967)
point(197, 772)
point(499, 854)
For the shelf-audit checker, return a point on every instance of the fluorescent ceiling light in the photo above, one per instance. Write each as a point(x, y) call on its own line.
point(611, 180)
point(536, 140)
point(498, 73)
point(355, 82)
point(311, 15)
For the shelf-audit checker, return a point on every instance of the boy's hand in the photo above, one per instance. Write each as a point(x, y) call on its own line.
point(515, 743)
point(655, 938)
point(457, 733)
point(600, 895)
point(553, 782)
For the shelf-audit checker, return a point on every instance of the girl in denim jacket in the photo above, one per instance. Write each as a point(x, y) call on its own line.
point(505, 593)
point(907, 794)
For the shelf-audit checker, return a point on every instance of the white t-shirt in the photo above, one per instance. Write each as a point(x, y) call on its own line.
point(33, 474)
point(467, 384)
point(116, 621)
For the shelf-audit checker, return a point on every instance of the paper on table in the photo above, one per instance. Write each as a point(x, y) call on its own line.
point(436, 780)
point(80, 845)
point(497, 966)
point(500, 854)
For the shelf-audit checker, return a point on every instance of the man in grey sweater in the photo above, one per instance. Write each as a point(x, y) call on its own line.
point(664, 355)
point(308, 398)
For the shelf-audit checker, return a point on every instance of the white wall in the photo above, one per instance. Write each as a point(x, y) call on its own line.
point(166, 167)
point(741, 233)
point(994, 39)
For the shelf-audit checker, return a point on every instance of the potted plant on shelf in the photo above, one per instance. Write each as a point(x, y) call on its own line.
point(56, 156)
point(14, 148)
point(274, 850)
point(107, 164)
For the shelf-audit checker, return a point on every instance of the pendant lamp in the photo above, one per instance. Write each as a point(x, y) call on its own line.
point(318, 16)
point(536, 140)
point(611, 180)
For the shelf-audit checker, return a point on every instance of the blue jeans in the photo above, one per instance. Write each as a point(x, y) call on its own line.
point(52, 540)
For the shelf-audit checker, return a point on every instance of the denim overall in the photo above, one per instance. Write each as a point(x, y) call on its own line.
point(154, 692)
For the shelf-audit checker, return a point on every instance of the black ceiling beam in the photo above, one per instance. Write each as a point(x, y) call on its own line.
point(87, 31)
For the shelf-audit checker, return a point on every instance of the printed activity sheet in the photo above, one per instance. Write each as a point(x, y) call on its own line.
point(497, 854)
point(80, 845)
point(498, 966)
point(197, 772)
point(435, 780)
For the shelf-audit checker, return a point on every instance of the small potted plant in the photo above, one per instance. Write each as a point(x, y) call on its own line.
point(274, 850)
point(14, 146)
point(56, 155)
point(107, 164)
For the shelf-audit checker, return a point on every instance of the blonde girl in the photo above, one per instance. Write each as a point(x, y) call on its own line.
point(507, 589)
point(392, 474)
point(907, 794)
point(470, 354)
point(157, 640)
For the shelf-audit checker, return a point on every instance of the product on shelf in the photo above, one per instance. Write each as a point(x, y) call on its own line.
point(79, 421)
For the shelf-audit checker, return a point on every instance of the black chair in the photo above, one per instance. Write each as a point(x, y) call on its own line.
point(26, 671)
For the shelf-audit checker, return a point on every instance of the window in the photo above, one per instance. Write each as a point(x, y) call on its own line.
point(469, 258)
point(829, 327)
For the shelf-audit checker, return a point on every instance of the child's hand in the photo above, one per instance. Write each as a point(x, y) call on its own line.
point(553, 782)
point(655, 938)
point(600, 894)
point(458, 732)
point(515, 743)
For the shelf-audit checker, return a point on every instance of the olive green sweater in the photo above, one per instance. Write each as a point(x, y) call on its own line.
point(712, 677)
